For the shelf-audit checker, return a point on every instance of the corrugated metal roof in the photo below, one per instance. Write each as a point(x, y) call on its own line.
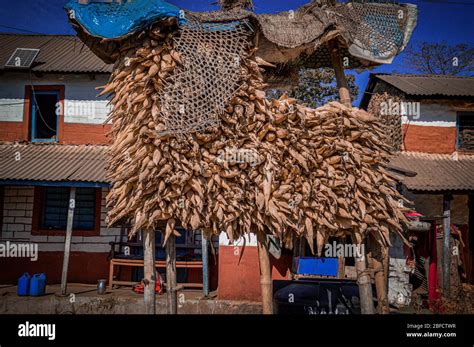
point(430, 85)
point(54, 163)
point(436, 172)
point(58, 53)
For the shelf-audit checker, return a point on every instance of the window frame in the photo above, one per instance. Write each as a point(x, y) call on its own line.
point(38, 210)
point(458, 125)
point(28, 112)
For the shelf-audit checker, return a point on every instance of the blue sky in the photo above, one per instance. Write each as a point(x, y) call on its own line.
point(450, 21)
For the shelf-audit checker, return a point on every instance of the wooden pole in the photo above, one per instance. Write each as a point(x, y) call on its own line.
point(67, 243)
point(205, 265)
point(265, 274)
point(376, 261)
point(344, 93)
point(149, 270)
point(446, 245)
point(171, 297)
point(364, 282)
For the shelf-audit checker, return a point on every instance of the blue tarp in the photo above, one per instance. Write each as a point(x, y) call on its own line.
point(112, 19)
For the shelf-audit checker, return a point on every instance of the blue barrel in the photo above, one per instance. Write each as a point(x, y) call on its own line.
point(24, 284)
point(38, 285)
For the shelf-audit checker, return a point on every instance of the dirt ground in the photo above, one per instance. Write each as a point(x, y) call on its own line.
point(83, 299)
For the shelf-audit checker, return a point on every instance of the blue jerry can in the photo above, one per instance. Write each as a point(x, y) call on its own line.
point(24, 284)
point(38, 284)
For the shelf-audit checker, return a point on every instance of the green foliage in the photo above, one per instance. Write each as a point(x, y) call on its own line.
point(318, 86)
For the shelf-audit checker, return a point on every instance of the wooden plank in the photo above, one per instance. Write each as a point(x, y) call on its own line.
point(67, 242)
point(172, 303)
point(149, 271)
point(265, 274)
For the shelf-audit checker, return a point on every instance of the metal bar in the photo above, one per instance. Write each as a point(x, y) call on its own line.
point(67, 243)
point(205, 265)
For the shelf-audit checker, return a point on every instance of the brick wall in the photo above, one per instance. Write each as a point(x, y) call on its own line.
point(17, 222)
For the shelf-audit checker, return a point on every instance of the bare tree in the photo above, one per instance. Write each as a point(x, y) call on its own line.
point(441, 58)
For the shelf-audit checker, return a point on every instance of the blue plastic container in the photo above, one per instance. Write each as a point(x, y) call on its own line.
point(24, 284)
point(316, 266)
point(38, 285)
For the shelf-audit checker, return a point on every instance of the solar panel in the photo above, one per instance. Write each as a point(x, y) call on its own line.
point(22, 58)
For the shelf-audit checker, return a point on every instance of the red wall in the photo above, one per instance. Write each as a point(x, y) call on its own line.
point(429, 139)
point(78, 134)
point(83, 267)
point(72, 133)
point(241, 281)
point(11, 131)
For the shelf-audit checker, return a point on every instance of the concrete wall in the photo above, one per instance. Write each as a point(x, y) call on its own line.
point(433, 132)
point(17, 223)
point(84, 113)
point(88, 261)
point(239, 273)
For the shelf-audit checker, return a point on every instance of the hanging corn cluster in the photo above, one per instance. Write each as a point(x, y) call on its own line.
point(270, 166)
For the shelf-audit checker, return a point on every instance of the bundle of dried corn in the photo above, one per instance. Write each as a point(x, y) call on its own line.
point(270, 166)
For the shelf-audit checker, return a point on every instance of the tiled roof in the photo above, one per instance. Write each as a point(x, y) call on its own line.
point(53, 163)
point(58, 53)
point(436, 172)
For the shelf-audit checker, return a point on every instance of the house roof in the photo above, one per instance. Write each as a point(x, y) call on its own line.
point(46, 163)
point(58, 53)
point(428, 86)
point(436, 172)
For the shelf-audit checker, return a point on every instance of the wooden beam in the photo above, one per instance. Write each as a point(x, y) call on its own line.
point(364, 282)
point(446, 244)
point(344, 93)
point(149, 271)
point(205, 265)
point(171, 296)
point(67, 243)
point(377, 263)
point(265, 274)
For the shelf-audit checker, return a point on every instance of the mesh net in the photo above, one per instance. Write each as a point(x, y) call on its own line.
point(199, 89)
point(375, 27)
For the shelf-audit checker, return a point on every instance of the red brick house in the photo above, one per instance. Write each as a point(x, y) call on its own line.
point(431, 122)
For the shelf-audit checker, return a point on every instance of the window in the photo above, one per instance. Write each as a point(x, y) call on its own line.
point(465, 131)
point(44, 115)
point(55, 202)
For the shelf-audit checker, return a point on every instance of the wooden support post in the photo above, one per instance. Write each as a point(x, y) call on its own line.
point(67, 243)
point(149, 271)
point(377, 263)
point(446, 244)
point(344, 93)
point(364, 282)
point(171, 296)
point(205, 265)
point(380, 286)
point(265, 274)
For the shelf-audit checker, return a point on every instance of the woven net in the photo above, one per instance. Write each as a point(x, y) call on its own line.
point(378, 28)
point(199, 89)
